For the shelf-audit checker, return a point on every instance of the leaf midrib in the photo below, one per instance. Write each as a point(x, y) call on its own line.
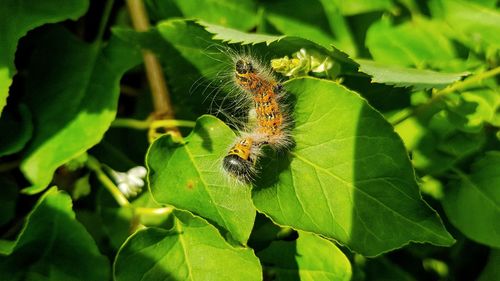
point(205, 184)
point(368, 195)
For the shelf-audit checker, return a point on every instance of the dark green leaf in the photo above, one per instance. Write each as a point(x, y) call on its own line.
point(72, 92)
point(492, 271)
point(17, 18)
point(52, 246)
point(472, 203)
point(8, 198)
point(19, 126)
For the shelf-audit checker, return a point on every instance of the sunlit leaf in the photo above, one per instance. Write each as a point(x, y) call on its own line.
point(348, 177)
point(307, 258)
point(407, 77)
point(188, 175)
point(72, 92)
point(191, 250)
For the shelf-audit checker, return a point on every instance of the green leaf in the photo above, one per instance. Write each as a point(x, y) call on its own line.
point(435, 143)
point(8, 198)
point(52, 245)
point(17, 18)
point(278, 45)
point(195, 64)
point(472, 203)
point(187, 174)
point(407, 77)
point(119, 220)
point(417, 43)
point(240, 14)
point(191, 250)
point(307, 258)
point(306, 19)
point(72, 91)
point(20, 127)
point(340, 27)
point(231, 35)
point(472, 24)
point(491, 271)
point(348, 178)
point(362, 6)
point(469, 110)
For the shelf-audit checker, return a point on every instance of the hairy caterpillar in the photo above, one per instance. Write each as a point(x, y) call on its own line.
point(271, 118)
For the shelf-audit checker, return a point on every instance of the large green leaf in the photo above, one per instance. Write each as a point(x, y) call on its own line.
point(348, 177)
point(237, 14)
point(52, 246)
point(491, 271)
point(307, 258)
point(407, 77)
point(418, 43)
point(472, 24)
point(17, 18)
point(72, 91)
point(188, 175)
point(411, 219)
point(473, 202)
point(278, 45)
point(232, 35)
point(191, 250)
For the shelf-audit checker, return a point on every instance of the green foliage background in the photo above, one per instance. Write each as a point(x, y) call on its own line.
point(394, 174)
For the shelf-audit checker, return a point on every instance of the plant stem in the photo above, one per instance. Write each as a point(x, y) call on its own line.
point(153, 211)
point(94, 165)
point(104, 20)
point(145, 124)
point(460, 85)
point(468, 82)
point(154, 72)
point(7, 166)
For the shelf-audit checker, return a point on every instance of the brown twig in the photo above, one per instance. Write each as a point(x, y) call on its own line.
point(159, 90)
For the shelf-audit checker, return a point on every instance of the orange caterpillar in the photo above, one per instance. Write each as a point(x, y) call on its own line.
point(271, 122)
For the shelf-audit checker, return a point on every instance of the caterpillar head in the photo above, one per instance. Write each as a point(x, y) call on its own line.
point(244, 67)
point(239, 168)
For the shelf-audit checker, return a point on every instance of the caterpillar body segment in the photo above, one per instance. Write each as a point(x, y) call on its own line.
point(268, 122)
point(266, 93)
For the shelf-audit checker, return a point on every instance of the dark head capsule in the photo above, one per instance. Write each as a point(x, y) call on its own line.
point(238, 167)
point(244, 67)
